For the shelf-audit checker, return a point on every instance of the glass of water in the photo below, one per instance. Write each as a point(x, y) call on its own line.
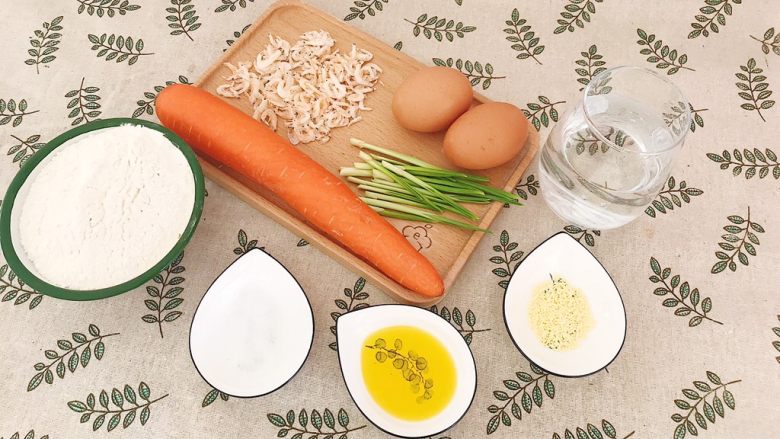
point(609, 156)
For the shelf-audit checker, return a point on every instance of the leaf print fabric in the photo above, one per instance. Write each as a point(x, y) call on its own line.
point(13, 113)
point(740, 240)
point(119, 47)
point(660, 54)
point(474, 71)
point(522, 395)
point(45, 43)
point(439, 28)
point(78, 352)
point(525, 40)
point(83, 104)
point(122, 403)
point(108, 8)
point(696, 271)
point(755, 88)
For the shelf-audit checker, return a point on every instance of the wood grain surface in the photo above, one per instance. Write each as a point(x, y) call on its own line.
point(450, 247)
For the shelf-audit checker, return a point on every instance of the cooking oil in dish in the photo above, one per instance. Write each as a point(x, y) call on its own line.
point(408, 372)
point(559, 314)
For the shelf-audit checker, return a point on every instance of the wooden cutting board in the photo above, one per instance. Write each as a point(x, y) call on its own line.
point(448, 248)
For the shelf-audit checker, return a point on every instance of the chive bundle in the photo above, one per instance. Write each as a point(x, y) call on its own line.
point(400, 186)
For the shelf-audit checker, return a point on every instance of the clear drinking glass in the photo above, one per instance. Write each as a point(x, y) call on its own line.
point(611, 154)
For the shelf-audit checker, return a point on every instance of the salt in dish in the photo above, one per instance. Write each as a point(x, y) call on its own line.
point(253, 329)
point(409, 371)
point(601, 316)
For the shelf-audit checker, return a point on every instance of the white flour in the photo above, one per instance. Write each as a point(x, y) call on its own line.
point(104, 207)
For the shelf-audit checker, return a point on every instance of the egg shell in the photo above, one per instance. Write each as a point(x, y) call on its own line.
point(430, 99)
point(486, 136)
point(253, 329)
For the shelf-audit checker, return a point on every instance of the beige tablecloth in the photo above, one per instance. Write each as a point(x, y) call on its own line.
point(707, 357)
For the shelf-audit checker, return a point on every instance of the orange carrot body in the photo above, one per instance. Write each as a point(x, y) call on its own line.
point(232, 138)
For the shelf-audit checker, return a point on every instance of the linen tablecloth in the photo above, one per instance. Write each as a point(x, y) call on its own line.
point(697, 272)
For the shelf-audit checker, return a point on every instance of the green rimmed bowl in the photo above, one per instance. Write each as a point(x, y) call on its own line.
point(12, 255)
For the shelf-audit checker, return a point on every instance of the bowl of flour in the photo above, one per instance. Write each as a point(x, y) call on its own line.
point(101, 209)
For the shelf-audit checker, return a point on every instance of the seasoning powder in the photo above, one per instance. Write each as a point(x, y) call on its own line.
point(104, 207)
point(559, 315)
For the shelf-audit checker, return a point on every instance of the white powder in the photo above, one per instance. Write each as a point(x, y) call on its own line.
point(105, 207)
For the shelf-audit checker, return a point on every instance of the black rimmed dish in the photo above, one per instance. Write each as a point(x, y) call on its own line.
point(13, 254)
point(353, 328)
point(253, 329)
point(562, 256)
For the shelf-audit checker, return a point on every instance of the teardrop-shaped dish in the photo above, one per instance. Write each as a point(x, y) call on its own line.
point(253, 328)
point(562, 256)
point(355, 327)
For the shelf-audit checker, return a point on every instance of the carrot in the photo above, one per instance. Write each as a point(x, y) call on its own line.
point(228, 136)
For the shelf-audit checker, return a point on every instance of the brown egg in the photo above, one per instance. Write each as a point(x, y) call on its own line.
point(486, 136)
point(431, 98)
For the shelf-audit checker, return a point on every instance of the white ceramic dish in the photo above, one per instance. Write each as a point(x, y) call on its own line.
point(561, 255)
point(353, 328)
point(253, 329)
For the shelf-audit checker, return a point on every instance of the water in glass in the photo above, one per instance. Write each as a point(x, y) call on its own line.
point(610, 155)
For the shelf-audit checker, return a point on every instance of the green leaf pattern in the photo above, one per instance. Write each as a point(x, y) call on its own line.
point(119, 48)
point(575, 13)
point(464, 322)
point(361, 8)
point(146, 105)
point(591, 431)
point(591, 64)
point(232, 5)
point(122, 403)
point(356, 299)
point(83, 104)
point(25, 148)
point(507, 259)
point(776, 343)
point(14, 113)
point(685, 301)
point(164, 291)
point(673, 195)
point(582, 235)
point(78, 352)
point(235, 37)
point(702, 406)
point(540, 114)
point(754, 88)
point(660, 54)
point(44, 43)
point(439, 28)
point(214, 395)
point(710, 16)
point(108, 8)
point(520, 395)
point(244, 244)
point(183, 18)
point(474, 71)
point(313, 425)
point(523, 39)
point(13, 289)
point(529, 187)
point(739, 241)
point(753, 161)
point(770, 43)
point(30, 435)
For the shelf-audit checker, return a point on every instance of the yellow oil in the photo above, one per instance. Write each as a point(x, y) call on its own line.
point(408, 372)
